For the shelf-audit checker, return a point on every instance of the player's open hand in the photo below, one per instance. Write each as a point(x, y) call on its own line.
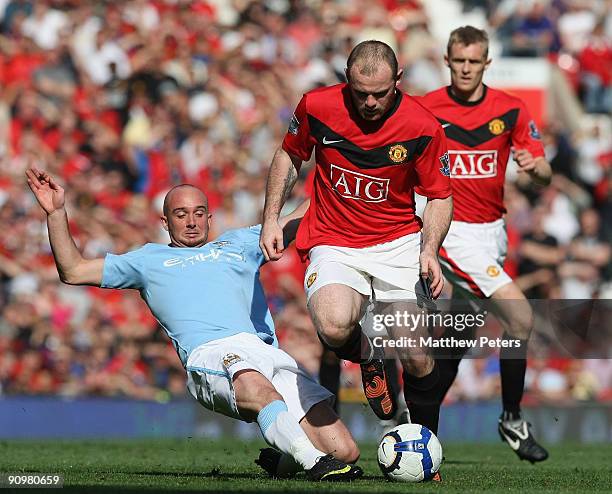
point(48, 193)
point(271, 240)
point(524, 159)
point(430, 269)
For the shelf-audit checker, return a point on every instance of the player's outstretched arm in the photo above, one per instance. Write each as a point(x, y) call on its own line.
point(436, 221)
point(281, 179)
point(291, 222)
point(71, 266)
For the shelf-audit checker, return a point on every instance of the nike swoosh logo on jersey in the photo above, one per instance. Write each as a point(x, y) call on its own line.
point(366, 159)
point(445, 125)
point(514, 443)
point(325, 141)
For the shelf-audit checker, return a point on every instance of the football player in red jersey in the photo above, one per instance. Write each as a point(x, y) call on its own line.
point(483, 126)
point(373, 145)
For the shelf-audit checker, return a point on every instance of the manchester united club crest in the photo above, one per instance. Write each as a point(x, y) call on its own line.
point(311, 279)
point(493, 271)
point(497, 126)
point(398, 153)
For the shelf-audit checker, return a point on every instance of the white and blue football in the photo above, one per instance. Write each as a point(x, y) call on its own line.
point(409, 453)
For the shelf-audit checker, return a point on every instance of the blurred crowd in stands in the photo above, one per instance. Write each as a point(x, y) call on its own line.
point(122, 100)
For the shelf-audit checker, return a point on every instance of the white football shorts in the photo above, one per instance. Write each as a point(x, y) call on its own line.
point(211, 367)
point(472, 257)
point(390, 271)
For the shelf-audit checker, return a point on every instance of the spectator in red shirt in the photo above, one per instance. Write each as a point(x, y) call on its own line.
point(596, 76)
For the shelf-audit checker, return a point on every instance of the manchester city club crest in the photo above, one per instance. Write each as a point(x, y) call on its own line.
point(497, 126)
point(398, 153)
point(230, 359)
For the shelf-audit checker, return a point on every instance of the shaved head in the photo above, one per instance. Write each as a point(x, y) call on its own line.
point(177, 192)
point(186, 216)
point(368, 56)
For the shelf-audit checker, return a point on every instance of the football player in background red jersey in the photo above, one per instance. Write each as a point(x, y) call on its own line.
point(483, 126)
point(373, 145)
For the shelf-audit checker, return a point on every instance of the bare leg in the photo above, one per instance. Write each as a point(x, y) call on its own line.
point(329, 434)
point(257, 398)
point(335, 310)
point(516, 316)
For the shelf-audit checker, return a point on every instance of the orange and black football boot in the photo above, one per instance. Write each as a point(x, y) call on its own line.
point(377, 389)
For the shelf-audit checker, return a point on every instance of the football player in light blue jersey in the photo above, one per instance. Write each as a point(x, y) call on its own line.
point(208, 298)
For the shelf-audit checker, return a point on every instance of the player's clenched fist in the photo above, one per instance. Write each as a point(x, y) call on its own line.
point(524, 159)
point(48, 193)
point(430, 269)
point(271, 240)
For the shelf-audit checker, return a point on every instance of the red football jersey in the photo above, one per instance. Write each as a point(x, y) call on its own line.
point(479, 135)
point(366, 171)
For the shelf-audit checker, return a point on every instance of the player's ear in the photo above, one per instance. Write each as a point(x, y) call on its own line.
point(398, 77)
point(164, 222)
point(487, 63)
point(346, 74)
point(446, 62)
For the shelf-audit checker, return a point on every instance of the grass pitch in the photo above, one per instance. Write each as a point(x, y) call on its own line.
point(192, 465)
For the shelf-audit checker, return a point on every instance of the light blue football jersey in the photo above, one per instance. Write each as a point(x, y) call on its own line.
point(199, 294)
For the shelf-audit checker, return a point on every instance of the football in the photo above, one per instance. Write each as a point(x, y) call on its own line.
point(409, 453)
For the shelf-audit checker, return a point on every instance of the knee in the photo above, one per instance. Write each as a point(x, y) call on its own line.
point(418, 365)
point(334, 326)
point(521, 324)
point(347, 451)
point(334, 336)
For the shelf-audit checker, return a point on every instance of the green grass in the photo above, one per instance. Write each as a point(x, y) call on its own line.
point(225, 467)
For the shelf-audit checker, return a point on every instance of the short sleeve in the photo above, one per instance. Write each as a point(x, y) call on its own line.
point(249, 240)
point(433, 168)
point(125, 270)
point(298, 141)
point(525, 134)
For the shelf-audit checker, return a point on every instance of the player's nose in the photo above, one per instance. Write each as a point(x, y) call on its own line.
point(370, 101)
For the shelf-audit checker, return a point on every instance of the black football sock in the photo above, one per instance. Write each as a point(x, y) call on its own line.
point(351, 350)
point(329, 374)
point(447, 362)
point(422, 398)
point(512, 367)
point(392, 373)
point(449, 359)
point(330, 368)
point(448, 368)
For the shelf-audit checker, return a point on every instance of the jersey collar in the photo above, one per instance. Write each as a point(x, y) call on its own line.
point(467, 103)
point(396, 104)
